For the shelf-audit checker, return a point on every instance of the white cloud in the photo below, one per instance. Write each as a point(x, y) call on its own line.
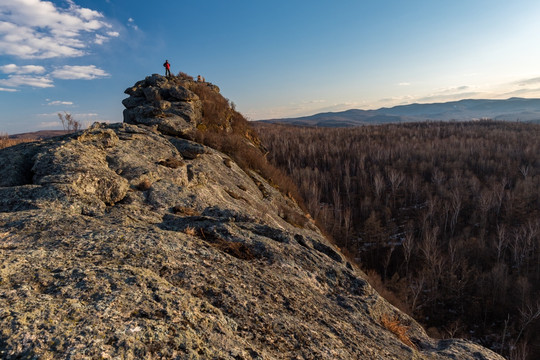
point(8, 90)
point(88, 72)
point(27, 69)
point(24, 80)
point(100, 39)
point(58, 102)
point(49, 124)
point(527, 82)
point(36, 29)
point(131, 24)
point(86, 115)
point(392, 101)
point(404, 84)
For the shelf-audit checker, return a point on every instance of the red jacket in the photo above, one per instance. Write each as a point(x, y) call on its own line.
point(167, 65)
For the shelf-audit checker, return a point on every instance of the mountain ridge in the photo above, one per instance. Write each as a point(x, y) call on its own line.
point(130, 240)
point(512, 109)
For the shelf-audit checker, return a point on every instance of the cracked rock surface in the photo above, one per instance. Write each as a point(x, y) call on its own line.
point(166, 103)
point(122, 242)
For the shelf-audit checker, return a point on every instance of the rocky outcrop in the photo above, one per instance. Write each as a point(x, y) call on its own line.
point(164, 102)
point(122, 241)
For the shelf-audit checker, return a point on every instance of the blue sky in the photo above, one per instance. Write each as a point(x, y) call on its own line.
point(272, 58)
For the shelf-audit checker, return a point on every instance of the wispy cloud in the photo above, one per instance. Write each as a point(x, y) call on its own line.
point(25, 80)
point(49, 124)
point(77, 116)
point(529, 87)
point(36, 29)
point(8, 90)
point(449, 97)
point(58, 102)
point(450, 94)
point(19, 76)
point(100, 39)
point(131, 24)
point(524, 92)
point(404, 84)
point(394, 100)
point(527, 82)
point(88, 72)
point(87, 115)
point(24, 75)
point(26, 69)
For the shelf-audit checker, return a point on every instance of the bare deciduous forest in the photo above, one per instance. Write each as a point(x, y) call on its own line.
point(445, 217)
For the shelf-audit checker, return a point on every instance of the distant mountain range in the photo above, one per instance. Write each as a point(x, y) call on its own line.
point(513, 109)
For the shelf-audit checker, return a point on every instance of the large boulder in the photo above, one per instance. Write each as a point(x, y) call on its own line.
point(165, 103)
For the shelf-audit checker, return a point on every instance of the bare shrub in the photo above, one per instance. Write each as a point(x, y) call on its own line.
point(191, 231)
point(184, 76)
point(397, 328)
point(376, 281)
point(226, 130)
point(144, 185)
point(69, 123)
point(292, 217)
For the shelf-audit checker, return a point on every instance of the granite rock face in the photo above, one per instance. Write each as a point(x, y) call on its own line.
point(124, 242)
point(163, 102)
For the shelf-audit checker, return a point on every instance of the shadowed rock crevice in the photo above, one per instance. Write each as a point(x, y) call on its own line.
point(328, 251)
point(16, 165)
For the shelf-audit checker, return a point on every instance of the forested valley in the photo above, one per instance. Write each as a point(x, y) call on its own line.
point(443, 216)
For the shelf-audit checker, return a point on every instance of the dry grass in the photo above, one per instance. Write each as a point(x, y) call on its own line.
point(236, 249)
point(144, 185)
point(5, 141)
point(172, 163)
point(235, 195)
point(225, 129)
point(184, 76)
point(190, 231)
point(179, 209)
point(397, 328)
point(292, 217)
point(377, 283)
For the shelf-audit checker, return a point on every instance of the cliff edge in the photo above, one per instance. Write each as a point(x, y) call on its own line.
point(129, 241)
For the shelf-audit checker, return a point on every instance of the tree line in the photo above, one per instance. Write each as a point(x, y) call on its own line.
point(445, 215)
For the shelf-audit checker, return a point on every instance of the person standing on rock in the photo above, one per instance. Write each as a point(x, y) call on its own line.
point(167, 68)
